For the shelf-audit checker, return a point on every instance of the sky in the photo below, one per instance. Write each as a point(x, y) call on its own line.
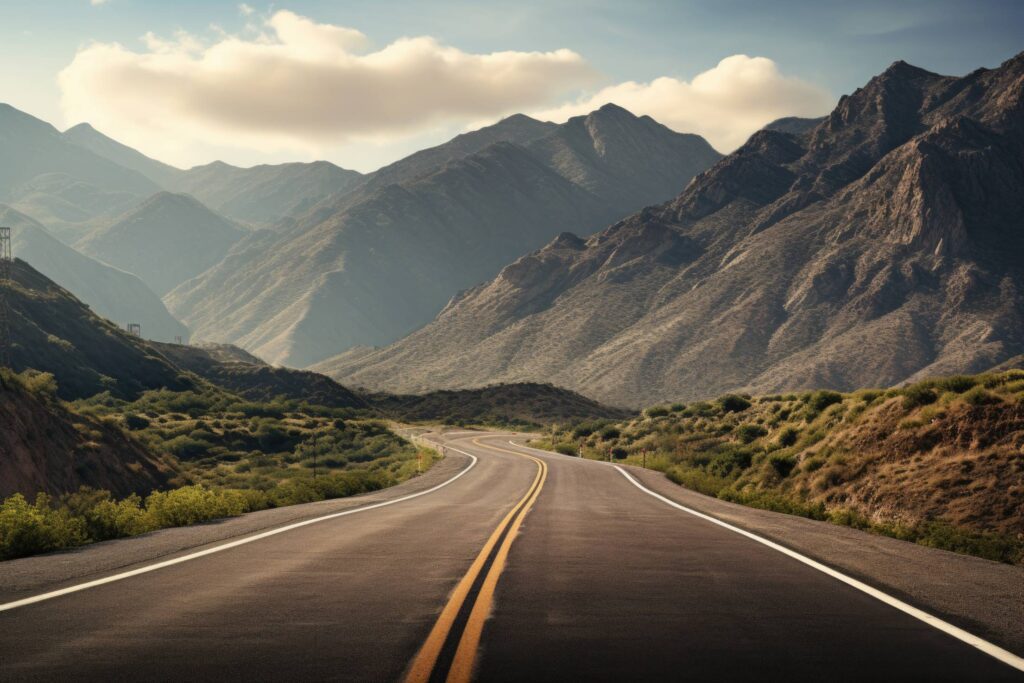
point(362, 83)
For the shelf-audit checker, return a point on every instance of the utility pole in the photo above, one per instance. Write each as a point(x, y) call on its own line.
point(5, 283)
point(135, 329)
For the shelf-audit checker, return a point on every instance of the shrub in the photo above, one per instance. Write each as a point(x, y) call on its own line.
point(135, 422)
point(731, 403)
point(820, 400)
point(748, 432)
point(957, 384)
point(918, 395)
point(657, 411)
point(788, 436)
point(979, 397)
point(609, 433)
point(192, 504)
point(565, 449)
point(782, 464)
point(27, 529)
point(678, 407)
point(619, 453)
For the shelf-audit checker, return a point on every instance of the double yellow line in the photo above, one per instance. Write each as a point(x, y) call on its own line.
point(461, 669)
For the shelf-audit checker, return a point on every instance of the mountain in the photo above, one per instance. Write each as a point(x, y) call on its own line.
point(518, 129)
point(879, 247)
point(383, 260)
point(49, 447)
point(166, 240)
point(112, 293)
point(263, 195)
point(57, 181)
point(87, 137)
point(52, 331)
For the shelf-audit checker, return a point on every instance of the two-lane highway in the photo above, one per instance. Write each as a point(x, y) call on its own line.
point(528, 566)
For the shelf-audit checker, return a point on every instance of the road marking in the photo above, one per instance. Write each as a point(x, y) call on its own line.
point(461, 669)
point(465, 656)
point(233, 544)
point(991, 649)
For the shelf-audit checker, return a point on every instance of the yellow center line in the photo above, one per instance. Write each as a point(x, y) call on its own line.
point(426, 659)
point(461, 670)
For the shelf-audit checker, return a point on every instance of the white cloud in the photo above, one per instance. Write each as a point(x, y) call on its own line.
point(245, 10)
point(97, 3)
point(299, 85)
point(725, 104)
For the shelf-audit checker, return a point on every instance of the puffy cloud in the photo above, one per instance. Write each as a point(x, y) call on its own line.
point(301, 85)
point(724, 104)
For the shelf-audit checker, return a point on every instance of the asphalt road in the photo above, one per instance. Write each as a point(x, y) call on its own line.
point(528, 567)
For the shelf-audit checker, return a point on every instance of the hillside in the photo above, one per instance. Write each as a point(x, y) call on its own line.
point(878, 247)
point(258, 381)
point(937, 462)
point(52, 331)
point(166, 240)
point(112, 293)
point(381, 262)
point(510, 405)
point(48, 447)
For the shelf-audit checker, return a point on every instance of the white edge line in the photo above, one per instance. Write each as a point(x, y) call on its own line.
point(1005, 656)
point(233, 544)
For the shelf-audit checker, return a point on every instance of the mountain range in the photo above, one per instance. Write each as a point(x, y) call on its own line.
point(876, 246)
point(371, 264)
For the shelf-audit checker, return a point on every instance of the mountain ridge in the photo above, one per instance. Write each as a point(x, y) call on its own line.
point(875, 248)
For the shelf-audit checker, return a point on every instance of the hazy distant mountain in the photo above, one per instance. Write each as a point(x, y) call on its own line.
point(263, 195)
point(166, 240)
point(91, 139)
point(881, 246)
point(57, 181)
point(518, 129)
point(112, 293)
point(383, 261)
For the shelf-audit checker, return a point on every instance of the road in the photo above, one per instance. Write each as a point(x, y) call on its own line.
point(526, 567)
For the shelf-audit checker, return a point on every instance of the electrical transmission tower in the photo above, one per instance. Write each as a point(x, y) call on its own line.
point(5, 283)
point(135, 329)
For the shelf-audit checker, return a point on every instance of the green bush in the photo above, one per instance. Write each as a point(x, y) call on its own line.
point(565, 449)
point(918, 395)
point(787, 437)
point(135, 422)
point(657, 411)
point(979, 397)
point(820, 400)
point(731, 403)
point(27, 529)
point(782, 464)
point(609, 433)
point(192, 504)
point(619, 453)
point(957, 384)
point(747, 433)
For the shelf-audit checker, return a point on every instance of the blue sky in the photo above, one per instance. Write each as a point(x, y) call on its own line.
point(833, 46)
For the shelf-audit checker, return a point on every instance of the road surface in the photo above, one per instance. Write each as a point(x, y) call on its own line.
point(518, 566)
